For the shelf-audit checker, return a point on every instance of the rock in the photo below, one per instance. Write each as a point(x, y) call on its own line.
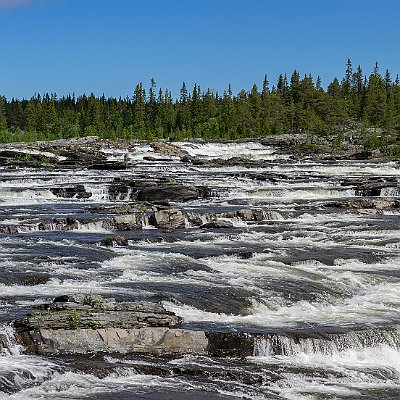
point(147, 340)
point(251, 215)
point(169, 149)
point(111, 241)
point(372, 186)
point(59, 224)
point(118, 189)
point(366, 203)
point(127, 222)
point(8, 229)
point(218, 223)
point(195, 219)
point(94, 312)
point(81, 156)
point(26, 159)
point(168, 219)
point(228, 344)
point(109, 166)
point(78, 192)
point(362, 155)
point(168, 192)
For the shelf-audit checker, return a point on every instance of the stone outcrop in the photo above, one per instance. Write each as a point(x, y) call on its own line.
point(372, 186)
point(129, 218)
point(78, 192)
point(59, 224)
point(79, 325)
point(168, 192)
point(126, 222)
point(147, 340)
point(170, 219)
point(169, 149)
point(366, 203)
point(26, 159)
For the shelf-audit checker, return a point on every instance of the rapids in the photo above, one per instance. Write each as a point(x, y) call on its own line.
point(319, 286)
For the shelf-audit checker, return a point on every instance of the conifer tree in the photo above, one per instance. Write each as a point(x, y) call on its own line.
point(3, 119)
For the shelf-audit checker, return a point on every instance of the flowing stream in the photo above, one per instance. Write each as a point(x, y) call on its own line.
point(319, 286)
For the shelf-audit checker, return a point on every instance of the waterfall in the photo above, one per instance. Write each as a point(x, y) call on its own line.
point(329, 344)
point(8, 343)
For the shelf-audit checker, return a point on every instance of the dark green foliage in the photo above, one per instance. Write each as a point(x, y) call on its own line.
point(296, 106)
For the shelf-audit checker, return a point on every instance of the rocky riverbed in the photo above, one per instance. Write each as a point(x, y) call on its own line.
point(197, 270)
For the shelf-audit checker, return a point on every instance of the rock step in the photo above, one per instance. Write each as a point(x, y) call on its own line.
point(167, 219)
point(158, 341)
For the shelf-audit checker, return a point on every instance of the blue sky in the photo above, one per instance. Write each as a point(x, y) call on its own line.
point(103, 46)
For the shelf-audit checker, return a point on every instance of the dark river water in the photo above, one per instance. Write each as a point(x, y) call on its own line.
point(321, 285)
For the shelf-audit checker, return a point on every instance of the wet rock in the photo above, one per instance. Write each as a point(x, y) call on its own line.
point(268, 176)
point(251, 214)
point(119, 189)
point(366, 203)
point(111, 241)
point(109, 166)
point(81, 156)
point(168, 219)
point(362, 155)
point(78, 192)
point(8, 229)
point(195, 219)
point(59, 224)
point(230, 344)
point(127, 222)
point(371, 186)
point(168, 192)
point(217, 224)
point(76, 298)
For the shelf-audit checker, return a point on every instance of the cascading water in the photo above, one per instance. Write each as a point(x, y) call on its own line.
point(314, 281)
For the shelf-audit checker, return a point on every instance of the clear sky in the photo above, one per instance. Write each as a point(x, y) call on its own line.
point(103, 46)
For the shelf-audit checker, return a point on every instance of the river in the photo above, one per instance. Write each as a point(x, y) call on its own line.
point(318, 284)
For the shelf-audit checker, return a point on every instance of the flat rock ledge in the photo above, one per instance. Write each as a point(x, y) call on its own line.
point(91, 325)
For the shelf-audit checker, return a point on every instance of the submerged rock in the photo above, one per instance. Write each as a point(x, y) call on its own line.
point(111, 241)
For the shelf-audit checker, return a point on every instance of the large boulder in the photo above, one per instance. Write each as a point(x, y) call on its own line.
point(170, 219)
point(127, 222)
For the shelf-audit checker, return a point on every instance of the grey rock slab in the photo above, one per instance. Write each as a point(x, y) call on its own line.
point(149, 340)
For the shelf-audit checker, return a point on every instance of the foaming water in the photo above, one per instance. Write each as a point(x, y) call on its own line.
point(317, 286)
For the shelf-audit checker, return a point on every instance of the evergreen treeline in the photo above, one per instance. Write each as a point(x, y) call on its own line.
point(292, 105)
